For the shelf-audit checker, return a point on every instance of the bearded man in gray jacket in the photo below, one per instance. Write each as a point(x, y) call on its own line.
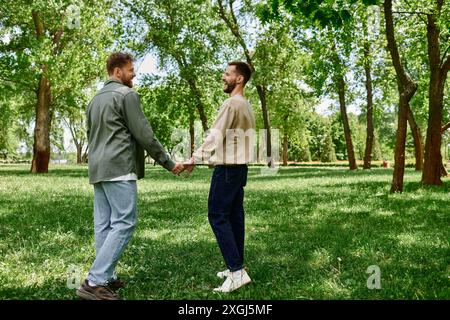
point(118, 133)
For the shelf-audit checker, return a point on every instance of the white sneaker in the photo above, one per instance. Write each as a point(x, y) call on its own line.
point(234, 281)
point(223, 274)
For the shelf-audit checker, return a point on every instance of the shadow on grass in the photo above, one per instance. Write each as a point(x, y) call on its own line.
point(314, 243)
point(51, 289)
point(21, 171)
point(158, 173)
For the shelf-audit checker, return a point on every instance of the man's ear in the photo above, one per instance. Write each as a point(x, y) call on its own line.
point(240, 78)
point(117, 72)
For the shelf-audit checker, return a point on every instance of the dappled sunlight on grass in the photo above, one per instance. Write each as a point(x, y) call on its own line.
point(311, 233)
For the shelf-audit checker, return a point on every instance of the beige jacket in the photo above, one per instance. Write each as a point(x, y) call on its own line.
point(231, 140)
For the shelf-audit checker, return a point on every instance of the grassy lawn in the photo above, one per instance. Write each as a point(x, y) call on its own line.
point(311, 234)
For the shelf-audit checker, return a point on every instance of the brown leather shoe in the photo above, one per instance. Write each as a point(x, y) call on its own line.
point(88, 292)
point(116, 284)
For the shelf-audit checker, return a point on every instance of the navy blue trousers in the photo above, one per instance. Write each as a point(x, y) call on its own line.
point(226, 212)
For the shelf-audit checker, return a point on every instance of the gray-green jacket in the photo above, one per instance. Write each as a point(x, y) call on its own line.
point(118, 133)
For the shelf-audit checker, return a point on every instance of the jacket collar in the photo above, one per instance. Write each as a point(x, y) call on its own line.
point(112, 81)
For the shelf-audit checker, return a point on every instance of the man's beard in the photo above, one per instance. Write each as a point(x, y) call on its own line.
point(230, 87)
point(128, 82)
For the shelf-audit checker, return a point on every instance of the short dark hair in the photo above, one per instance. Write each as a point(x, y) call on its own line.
point(117, 60)
point(243, 69)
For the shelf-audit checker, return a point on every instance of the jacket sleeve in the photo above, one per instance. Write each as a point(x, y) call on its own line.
point(88, 122)
point(142, 131)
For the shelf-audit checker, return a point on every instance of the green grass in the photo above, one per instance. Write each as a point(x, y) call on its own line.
point(311, 234)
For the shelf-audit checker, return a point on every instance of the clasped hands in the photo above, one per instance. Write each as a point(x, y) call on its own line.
point(187, 166)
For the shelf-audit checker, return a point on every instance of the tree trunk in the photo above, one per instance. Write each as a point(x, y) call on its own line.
point(285, 149)
point(41, 147)
point(340, 83)
point(186, 75)
point(407, 88)
point(370, 129)
point(200, 106)
point(79, 153)
point(347, 131)
point(191, 135)
point(438, 75)
point(417, 138)
point(433, 162)
point(84, 158)
point(444, 172)
point(265, 113)
point(399, 166)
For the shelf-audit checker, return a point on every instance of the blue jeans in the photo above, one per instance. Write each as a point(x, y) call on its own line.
point(114, 224)
point(226, 212)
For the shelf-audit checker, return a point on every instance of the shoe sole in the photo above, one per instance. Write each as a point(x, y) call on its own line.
point(86, 295)
point(243, 285)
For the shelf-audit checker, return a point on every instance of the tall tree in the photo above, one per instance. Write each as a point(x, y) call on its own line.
point(332, 25)
point(406, 88)
point(368, 22)
point(227, 12)
point(186, 38)
point(75, 121)
point(340, 83)
point(53, 48)
point(280, 68)
point(369, 90)
point(439, 65)
point(413, 48)
point(169, 105)
point(328, 152)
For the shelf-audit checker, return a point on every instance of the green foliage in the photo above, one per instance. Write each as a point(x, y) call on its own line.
point(281, 64)
point(337, 132)
point(377, 154)
point(299, 149)
point(328, 153)
point(190, 45)
point(8, 142)
point(67, 46)
point(291, 46)
point(359, 134)
point(321, 142)
point(164, 105)
point(71, 55)
point(335, 13)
